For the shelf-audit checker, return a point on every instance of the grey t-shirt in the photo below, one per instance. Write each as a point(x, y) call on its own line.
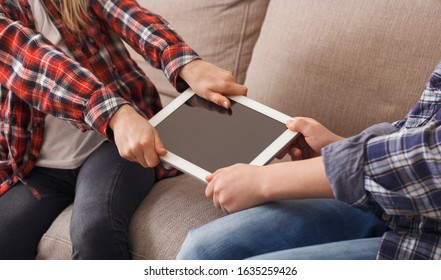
point(64, 146)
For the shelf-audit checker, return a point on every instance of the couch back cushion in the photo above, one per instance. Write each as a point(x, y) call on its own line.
point(223, 32)
point(347, 63)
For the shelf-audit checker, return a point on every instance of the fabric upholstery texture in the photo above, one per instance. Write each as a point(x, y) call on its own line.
point(333, 60)
point(55, 244)
point(223, 32)
point(175, 206)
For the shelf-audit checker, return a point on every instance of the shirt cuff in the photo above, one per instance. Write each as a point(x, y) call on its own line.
point(173, 59)
point(344, 164)
point(100, 109)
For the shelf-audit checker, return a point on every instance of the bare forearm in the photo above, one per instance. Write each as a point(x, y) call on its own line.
point(242, 186)
point(297, 179)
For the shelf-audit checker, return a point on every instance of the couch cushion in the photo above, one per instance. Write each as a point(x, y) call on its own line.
point(162, 221)
point(223, 32)
point(347, 63)
point(158, 227)
point(55, 243)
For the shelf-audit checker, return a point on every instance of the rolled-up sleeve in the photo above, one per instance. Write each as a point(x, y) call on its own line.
point(344, 165)
point(398, 170)
point(403, 171)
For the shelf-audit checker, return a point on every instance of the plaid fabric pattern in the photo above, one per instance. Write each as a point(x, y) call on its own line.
point(36, 78)
point(402, 175)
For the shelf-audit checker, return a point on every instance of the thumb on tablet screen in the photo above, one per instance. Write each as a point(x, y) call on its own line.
point(159, 146)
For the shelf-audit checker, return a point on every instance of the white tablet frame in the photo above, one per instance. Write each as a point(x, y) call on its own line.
point(263, 158)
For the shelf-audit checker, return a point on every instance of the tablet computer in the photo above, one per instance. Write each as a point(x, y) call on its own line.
point(201, 137)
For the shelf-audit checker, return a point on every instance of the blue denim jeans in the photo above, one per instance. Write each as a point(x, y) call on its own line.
point(279, 226)
point(105, 192)
point(356, 249)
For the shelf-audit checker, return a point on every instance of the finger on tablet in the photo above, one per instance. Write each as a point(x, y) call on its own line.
point(209, 191)
point(217, 99)
point(210, 177)
point(296, 154)
point(283, 153)
point(159, 146)
point(235, 89)
point(216, 202)
point(221, 100)
point(229, 89)
point(151, 157)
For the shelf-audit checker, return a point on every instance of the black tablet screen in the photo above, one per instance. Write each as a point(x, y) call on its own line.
point(212, 137)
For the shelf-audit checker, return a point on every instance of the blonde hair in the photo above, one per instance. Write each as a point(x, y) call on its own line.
point(74, 13)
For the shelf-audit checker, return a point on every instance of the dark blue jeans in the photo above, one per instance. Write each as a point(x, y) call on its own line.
point(105, 192)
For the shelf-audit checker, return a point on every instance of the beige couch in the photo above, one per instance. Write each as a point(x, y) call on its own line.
point(347, 63)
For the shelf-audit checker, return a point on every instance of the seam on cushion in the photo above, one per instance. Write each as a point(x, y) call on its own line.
point(241, 40)
point(139, 256)
point(56, 238)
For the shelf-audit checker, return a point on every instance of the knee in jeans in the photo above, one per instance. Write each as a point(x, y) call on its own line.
point(95, 240)
point(84, 235)
point(197, 245)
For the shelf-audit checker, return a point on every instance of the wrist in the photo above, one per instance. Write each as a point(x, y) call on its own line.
point(336, 138)
point(120, 115)
point(266, 183)
point(189, 70)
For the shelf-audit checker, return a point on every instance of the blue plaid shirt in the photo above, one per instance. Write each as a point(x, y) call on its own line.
point(394, 170)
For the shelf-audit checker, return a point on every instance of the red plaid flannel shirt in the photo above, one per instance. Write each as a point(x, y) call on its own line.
point(36, 78)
